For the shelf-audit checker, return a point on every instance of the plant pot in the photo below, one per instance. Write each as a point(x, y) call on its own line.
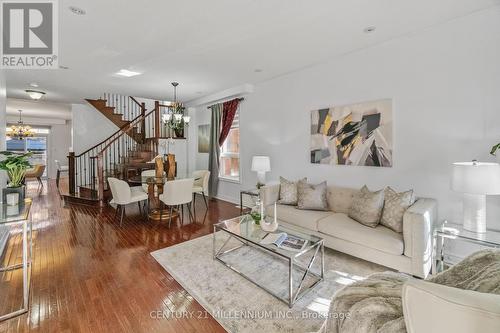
point(21, 190)
point(179, 132)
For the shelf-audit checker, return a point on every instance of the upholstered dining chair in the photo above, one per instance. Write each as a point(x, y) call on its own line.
point(177, 193)
point(35, 172)
point(60, 169)
point(123, 195)
point(201, 185)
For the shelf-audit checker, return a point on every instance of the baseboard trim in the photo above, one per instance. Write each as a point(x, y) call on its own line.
point(227, 199)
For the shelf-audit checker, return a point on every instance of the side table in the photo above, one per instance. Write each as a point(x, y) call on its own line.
point(452, 231)
point(252, 193)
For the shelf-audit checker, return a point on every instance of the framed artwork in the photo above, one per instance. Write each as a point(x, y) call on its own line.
point(356, 134)
point(203, 138)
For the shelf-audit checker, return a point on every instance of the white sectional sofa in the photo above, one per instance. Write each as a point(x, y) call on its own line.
point(409, 252)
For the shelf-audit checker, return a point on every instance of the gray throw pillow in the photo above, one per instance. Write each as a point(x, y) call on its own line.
point(288, 191)
point(312, 197)
point(367, 207)
point(395, 207)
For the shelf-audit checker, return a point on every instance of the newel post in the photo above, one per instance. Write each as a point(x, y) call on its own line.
point(71, 173)
point(157, 119)
point(100, 178)
point(143, 122)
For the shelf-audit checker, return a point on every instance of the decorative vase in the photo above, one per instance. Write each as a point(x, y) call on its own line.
point(270, 226)
point(21, 190)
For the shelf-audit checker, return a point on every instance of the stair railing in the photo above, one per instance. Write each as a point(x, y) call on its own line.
point(82, 167)
point(105, 162)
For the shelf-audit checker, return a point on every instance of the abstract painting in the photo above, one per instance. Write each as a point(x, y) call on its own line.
point(203, 138)
point(356, 134)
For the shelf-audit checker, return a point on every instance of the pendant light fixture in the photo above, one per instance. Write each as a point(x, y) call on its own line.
point(20, 131)
point(175, 117)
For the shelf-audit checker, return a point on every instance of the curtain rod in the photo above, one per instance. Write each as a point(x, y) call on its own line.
point(239, 99)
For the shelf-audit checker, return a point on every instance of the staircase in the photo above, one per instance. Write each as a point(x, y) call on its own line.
point(135, 143)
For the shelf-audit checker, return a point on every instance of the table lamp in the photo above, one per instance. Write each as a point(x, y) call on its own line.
point(475, 180)
point(261, 165)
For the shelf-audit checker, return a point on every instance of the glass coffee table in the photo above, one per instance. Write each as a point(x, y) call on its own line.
point(285, 274)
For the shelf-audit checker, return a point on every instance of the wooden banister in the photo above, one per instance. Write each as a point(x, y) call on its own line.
point(157, 119)
point(71, 173)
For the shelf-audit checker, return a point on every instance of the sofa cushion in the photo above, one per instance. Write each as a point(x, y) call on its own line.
point(380, 238)
point(312, 197)
point(367, 207)
point(288, 191)
point(395, 206)
point(303, 218)
point(340, 198)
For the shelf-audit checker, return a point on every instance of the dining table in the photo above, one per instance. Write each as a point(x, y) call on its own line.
point(155, 189)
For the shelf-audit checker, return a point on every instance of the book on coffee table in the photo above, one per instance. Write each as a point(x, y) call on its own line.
point(284, 241)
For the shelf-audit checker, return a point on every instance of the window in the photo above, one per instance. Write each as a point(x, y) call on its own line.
point(36, 144)
point(229, 166)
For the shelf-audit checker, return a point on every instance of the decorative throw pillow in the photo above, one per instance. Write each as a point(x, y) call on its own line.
point(288, 191)
point(312, 197)
point(367, 207)
point(395, 206)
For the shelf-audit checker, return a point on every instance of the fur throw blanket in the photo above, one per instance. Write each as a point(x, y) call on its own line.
point(374, 305)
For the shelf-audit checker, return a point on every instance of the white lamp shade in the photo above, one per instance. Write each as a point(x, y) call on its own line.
point(261, 164)
point(476, 178)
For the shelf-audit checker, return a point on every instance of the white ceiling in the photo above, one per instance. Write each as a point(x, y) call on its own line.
point(213, 45)
point(38, 109)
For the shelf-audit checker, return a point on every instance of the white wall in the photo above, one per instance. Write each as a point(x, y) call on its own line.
point(89, 127)
point(3, 101)
point(59, 145)
point(444, 83)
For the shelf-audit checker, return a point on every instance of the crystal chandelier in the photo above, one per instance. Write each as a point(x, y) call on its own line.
point(175, 118)
point(19, 131)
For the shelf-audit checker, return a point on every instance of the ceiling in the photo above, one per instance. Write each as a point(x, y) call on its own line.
point(214, 45)
point(38, 109)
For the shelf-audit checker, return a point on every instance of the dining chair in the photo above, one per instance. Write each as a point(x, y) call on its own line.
point(201, 185)
point(177, 193)
point(60, 168)
point(36, 172)
point(123, 195)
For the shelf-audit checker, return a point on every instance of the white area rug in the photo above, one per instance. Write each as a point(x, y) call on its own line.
point(239, 305)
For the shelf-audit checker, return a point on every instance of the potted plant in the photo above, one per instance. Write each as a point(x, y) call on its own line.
point(494, 149)
point(16, 166)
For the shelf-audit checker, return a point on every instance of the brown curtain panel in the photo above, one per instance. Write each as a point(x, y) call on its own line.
point(228, 112)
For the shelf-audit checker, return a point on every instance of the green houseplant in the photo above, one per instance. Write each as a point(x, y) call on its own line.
point(16, 166)
point(494, 149)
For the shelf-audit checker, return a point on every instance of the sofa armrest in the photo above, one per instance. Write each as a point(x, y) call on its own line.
point(269, 194)
point(418, 221)
point(431, 307)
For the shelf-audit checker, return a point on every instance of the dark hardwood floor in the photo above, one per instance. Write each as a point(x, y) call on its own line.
point(90, 275)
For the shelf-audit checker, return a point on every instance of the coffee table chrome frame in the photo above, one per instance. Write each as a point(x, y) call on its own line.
point(26, 264)
point(293, 295)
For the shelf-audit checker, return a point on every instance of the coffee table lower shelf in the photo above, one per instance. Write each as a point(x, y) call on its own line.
point(294, 267)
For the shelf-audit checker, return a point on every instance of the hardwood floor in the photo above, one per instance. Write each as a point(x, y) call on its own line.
point(90, 275)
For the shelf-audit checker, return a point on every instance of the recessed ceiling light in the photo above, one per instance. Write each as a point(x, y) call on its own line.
point(34, 85)
point(35, 94)
point(257, 70)
point(369, 30)
point(127, 73)
point(77, 11)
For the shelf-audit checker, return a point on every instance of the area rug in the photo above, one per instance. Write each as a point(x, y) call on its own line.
point(241, 306)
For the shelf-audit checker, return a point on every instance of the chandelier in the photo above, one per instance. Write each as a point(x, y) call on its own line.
point(175, 118)
point(20, 131)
